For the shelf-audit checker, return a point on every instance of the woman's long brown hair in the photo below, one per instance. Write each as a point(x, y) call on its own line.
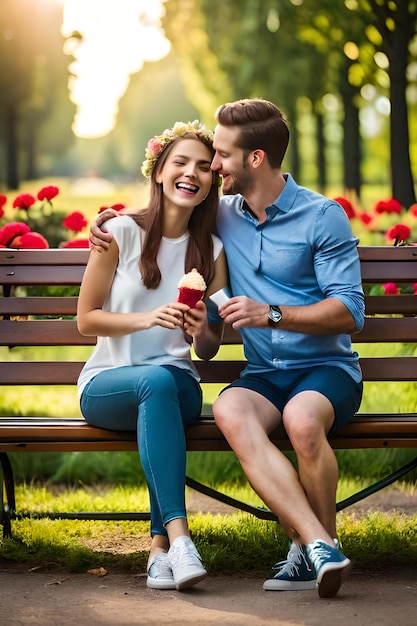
point(200, 226)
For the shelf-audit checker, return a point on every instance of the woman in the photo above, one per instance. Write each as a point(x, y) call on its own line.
point(140, 375)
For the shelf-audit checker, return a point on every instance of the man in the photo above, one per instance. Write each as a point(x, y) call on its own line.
point(297, 296)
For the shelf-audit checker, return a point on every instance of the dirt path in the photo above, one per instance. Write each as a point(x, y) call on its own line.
point(50, 599)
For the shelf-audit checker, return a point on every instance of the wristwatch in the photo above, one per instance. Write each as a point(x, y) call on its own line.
point(274, 315)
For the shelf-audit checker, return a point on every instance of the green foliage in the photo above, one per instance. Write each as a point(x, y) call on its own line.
point(228, 543)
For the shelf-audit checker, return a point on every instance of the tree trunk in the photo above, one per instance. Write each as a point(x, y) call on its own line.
point(352, 153)
point(31, 173)
point(294, 151)
point(402, 178)
point(321, 158)
point(12, 170)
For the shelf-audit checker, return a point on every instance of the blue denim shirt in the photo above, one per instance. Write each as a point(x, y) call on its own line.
point(303, 253)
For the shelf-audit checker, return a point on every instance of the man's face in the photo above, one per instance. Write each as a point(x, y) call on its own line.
point(229, 160)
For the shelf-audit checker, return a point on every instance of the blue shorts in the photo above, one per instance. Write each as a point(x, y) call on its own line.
point(332, 382)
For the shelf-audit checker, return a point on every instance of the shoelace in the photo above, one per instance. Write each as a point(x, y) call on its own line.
point(160, 567)
point(319, 553)
point(185, 555)
point(292, 565)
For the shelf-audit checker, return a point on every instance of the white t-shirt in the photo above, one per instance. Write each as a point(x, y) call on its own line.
point(157, 345)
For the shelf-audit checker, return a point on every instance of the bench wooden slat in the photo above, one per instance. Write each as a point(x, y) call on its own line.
point(64, 332)
point(74, 434)
point(387, 330)
point(52, 256)
point(59, 305)
point(385, 369)
point(406, 304)
point(39, 305)
point(42, 333)
point(41, 275)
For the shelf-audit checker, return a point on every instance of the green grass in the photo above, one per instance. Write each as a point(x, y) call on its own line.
point(236, 542)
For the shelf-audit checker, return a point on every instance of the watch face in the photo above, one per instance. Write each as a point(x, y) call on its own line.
point(275, 314)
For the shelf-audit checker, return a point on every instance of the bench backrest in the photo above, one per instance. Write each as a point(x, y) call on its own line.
point(48, 320)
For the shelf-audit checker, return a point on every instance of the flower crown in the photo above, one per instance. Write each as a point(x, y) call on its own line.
point(156, 145)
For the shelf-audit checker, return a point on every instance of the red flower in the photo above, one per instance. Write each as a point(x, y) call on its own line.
point(399, 232)
point(75, 221)
point(415, 288)
point(34, 241)
point(413, 210)
point(388, 206)
point(116, 207)
point(390, 289)
point(365, 218)
point(347, 206)
point(3, 200)
point(76, 243)
point(48, 193)
point(24, 201)
point(12, 230)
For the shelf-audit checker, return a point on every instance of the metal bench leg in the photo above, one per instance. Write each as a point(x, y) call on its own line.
point(257, 511)
point(8, 503)
point(380, 484)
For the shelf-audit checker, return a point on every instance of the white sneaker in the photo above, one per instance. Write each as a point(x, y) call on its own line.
point(185, 562)
point(160, 573)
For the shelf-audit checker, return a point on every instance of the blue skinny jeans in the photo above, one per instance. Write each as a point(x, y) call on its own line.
point(157, 402)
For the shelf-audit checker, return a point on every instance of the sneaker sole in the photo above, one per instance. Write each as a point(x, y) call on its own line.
point(287, 585)
point(332, 577)
point(160, 583)
point(189, 581)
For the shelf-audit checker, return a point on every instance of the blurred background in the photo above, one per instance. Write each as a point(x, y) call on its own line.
point(85, 83)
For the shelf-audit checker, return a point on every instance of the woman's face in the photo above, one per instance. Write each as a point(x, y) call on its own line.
point(186, 175)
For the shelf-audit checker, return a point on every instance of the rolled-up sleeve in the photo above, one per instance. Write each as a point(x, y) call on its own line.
point(337, 263)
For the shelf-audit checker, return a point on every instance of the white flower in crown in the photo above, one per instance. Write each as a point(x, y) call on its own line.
point(156, 145)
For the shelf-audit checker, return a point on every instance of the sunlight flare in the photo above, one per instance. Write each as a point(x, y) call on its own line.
point(117, 38)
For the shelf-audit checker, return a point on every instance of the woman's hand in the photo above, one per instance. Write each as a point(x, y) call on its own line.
point(169, 315)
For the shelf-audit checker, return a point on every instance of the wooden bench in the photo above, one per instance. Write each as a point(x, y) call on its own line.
point(48, 320)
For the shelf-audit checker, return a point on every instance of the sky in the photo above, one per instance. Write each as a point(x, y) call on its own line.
point(118, 37)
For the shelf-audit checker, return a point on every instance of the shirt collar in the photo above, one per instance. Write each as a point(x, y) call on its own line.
point(286, 198)
point(282, 203)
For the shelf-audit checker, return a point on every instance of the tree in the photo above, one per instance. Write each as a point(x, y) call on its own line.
point(396, 23)
point(33, 84)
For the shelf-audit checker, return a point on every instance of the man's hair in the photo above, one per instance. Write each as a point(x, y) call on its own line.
point(261, 124)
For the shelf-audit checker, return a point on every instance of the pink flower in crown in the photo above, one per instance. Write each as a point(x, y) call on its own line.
point(155, 145)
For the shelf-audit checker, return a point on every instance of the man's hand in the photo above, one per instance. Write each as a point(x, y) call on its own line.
point(195, 320)
point(100, 239)
point(242, 311)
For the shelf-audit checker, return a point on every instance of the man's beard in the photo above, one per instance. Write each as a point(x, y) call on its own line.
point(238, 183)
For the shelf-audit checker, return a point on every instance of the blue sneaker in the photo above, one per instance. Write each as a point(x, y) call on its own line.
point(295, 573)
point(330, 565)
